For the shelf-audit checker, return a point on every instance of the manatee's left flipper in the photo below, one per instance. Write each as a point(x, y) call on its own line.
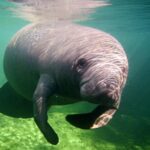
point(103, 118)
point(45, 88)
point(99, 117)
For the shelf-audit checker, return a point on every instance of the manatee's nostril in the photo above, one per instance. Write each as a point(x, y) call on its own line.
point(123, 69)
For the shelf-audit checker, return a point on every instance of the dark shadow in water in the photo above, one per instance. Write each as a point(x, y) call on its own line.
point(14, 105)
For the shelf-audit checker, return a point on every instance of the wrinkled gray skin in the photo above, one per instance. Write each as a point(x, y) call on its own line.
point(73, 62)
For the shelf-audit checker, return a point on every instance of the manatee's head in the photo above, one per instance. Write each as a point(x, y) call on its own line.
point(101, 79)
point(102, 75)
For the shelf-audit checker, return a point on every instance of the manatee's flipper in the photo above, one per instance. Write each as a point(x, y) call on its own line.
point(99, 117)
point(104, 117)
point(45, 88)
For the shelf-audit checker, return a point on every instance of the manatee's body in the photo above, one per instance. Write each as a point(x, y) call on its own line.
point(71, 61)
point(38, 49)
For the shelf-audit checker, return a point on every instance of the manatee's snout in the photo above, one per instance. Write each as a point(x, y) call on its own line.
point(92, 92)
point(104, 91)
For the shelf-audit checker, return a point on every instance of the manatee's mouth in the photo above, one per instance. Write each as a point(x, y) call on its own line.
point(100, 99)
point(92, 93)
point(84, 82)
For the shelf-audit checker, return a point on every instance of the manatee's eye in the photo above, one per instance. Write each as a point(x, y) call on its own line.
point(81, 63)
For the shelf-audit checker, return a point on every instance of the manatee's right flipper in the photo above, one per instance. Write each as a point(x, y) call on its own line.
point(99, 117)
point(45, 88)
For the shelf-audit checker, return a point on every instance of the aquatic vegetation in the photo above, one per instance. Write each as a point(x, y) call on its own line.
point(19, 133)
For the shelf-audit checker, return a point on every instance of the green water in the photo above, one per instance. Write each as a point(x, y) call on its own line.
point(129, 22)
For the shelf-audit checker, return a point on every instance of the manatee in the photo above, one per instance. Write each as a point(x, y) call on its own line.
point(43, 62)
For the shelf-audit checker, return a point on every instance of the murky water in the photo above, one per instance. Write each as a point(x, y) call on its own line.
point(129, 22)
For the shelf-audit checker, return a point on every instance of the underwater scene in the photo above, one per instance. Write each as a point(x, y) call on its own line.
point(129, 22)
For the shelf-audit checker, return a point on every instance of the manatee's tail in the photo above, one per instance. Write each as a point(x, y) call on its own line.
point(56, 10)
